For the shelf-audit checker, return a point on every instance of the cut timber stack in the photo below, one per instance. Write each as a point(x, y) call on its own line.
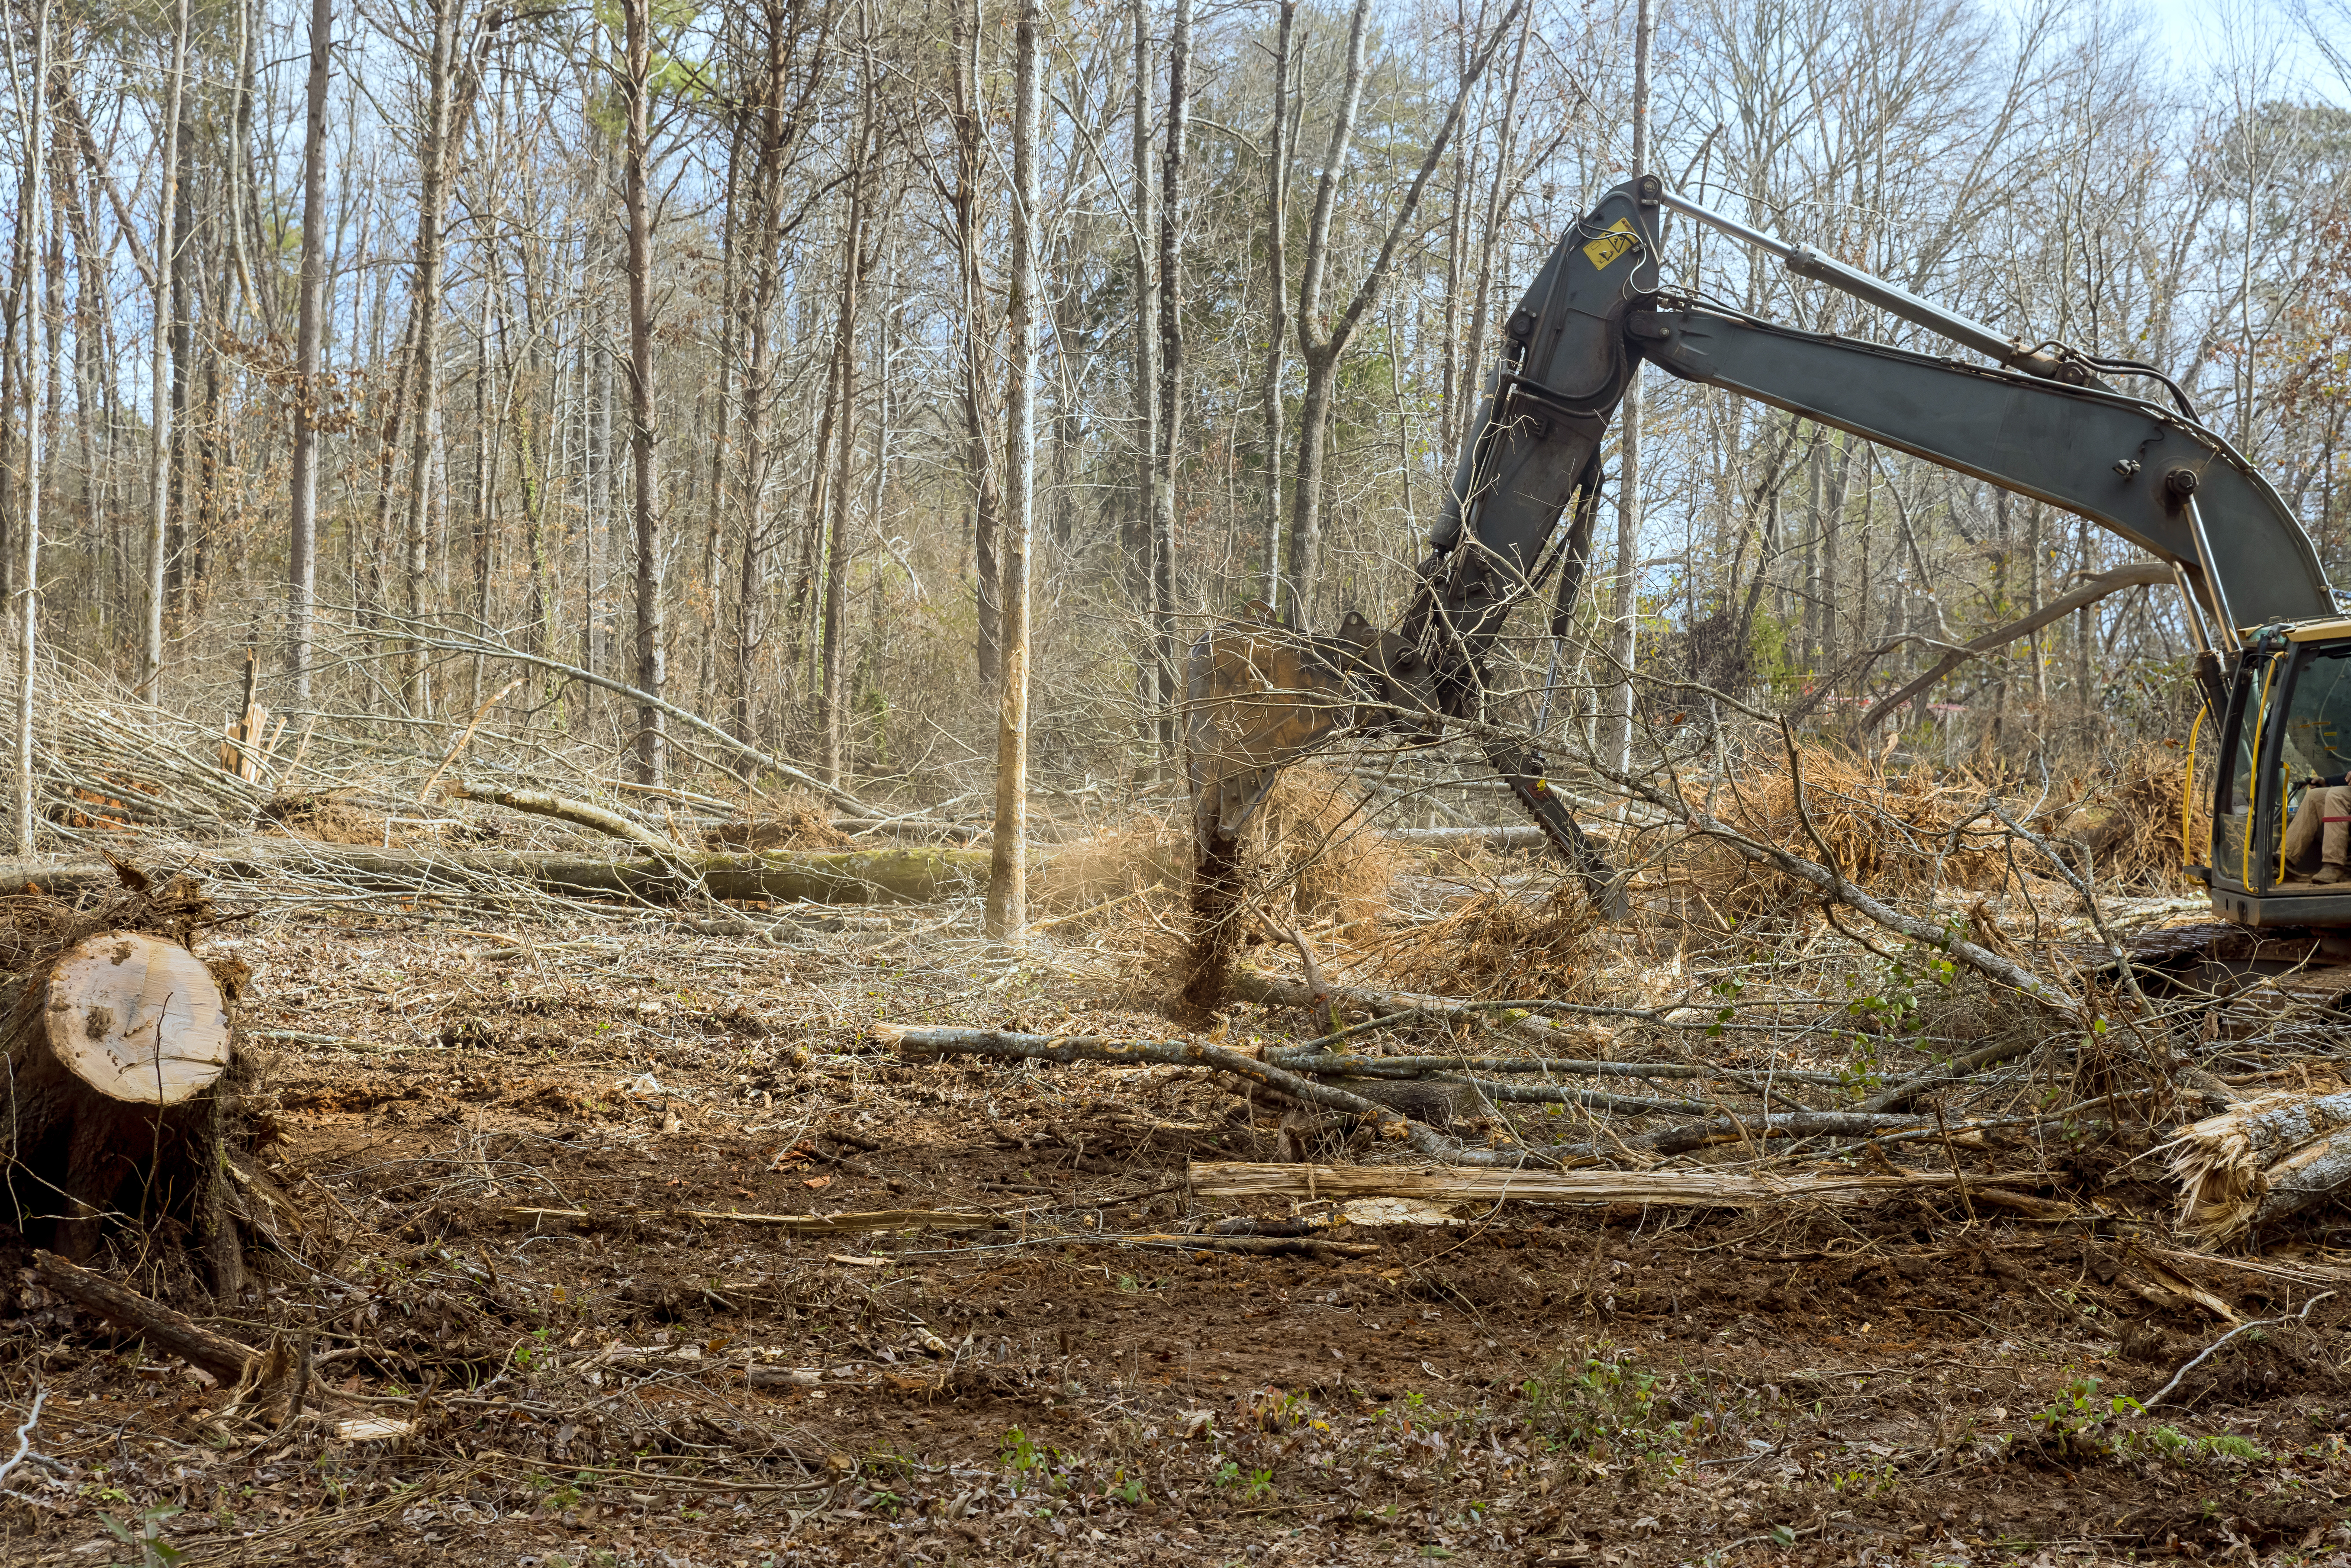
point(119, 1042)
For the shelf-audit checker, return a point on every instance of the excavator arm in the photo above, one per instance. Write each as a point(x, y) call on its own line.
point(2040, 420)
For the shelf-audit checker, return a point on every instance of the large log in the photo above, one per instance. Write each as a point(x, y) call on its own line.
point(115, 1049)
point(1706, 1189)
point(900, 874)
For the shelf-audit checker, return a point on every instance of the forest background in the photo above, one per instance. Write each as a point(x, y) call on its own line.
point(676, 345)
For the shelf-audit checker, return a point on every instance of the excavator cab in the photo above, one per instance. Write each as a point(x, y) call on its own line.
point(2288, 724)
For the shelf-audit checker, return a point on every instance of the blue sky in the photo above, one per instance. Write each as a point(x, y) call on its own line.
point(2194, 33)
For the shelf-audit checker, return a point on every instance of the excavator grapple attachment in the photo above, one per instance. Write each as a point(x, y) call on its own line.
point(1257, 698)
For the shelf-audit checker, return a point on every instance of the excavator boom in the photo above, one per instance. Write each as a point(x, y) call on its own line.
point(2041, 421)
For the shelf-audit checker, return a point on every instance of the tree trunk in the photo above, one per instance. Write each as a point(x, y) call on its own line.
point(1007, 871)
point(309, 335)
point(980, 458)
point(833, 653)
point(1146, 512)
point(1623, 606)
point(1277, 234)
point(755, 322)
point(653, 672)
point(159, 511)
point(114, 1052)
point(27, 595)
point(1171, 379)
point(434, 158)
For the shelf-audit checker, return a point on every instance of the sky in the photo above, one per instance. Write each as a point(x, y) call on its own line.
point(2193, 33)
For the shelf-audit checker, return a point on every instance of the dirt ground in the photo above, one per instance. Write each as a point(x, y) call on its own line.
point(1910, 1381)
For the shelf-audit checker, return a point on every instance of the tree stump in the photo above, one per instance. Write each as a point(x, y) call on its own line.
point(116, 1052)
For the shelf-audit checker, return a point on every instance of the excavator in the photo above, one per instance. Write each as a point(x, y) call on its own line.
point(2272, 643)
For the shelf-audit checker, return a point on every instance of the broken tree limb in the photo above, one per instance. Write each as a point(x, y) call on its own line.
point(2138, 574)
point(579, 814)
point(1519, 1016)
point(1898, 1096)
point(1702, 1188)
point(797, 1224)
point(1568, 1066)
point(919, 1042)
point(167, 1330)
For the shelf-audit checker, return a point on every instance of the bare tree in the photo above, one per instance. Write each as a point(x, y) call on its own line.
point(309, 337)
point(1624, 602)
point(857, 259)
point(1322, 352)
point(159, 514)
point(437, 139)
point(1171, 376)
point(653, 670)
point(1277, 270)
point(29, 90)
point(1007, 871)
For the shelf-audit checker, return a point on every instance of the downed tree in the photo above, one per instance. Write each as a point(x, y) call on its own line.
point(1705, 1189)
point(792, 1224)
point(900, 874)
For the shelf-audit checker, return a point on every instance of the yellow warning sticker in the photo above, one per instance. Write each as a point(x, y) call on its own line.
point(1618, 239)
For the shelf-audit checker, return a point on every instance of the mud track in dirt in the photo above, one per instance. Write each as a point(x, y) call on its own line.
point(1905, 1382)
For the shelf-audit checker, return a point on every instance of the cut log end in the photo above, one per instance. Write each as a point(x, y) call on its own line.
point(138, 1019)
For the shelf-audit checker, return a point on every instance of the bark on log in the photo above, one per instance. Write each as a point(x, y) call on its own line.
point(1701, 1188)
point(115, 1051)
point(795, 1224)
point(177, 1333)
point(579, 814)
point(903, 875)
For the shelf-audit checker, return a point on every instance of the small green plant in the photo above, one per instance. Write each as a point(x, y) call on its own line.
point(1032, 1467)
point(2076, 1421)
point(1125, 1489)
point(526, 1353)
point(154, 1552)
point(1257, 1485)
point(2231, 1446)
point(1597, 1400)
point(1874, 1483)
point(1226, 1476)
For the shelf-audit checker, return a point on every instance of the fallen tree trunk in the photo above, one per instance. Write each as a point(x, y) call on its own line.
point(1276, 990)
point(794, 1224)
point(1701, 1189)
point(901, 874)
point(1500, 840)
point(113, 1047)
